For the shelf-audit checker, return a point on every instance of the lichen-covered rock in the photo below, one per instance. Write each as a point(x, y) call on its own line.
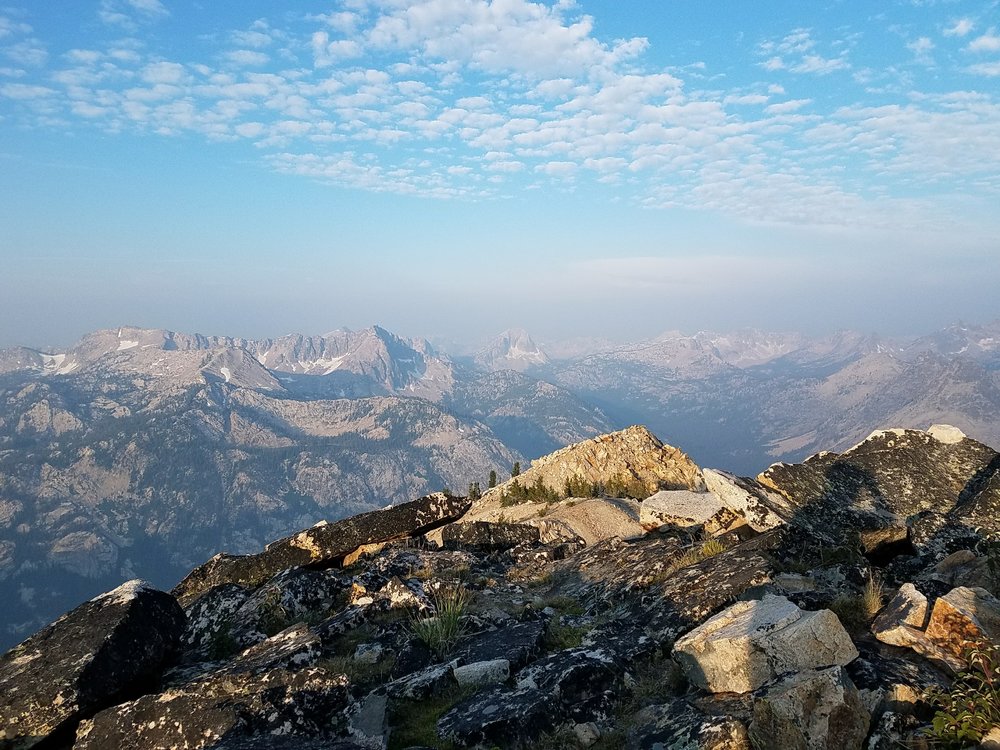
point(272, 687)
point(963, 618)
point(367, 721)
point(307, 703)
point(752, 642)
point(762, 508)
point(427, 683)
point(812, 710)
point(484, 537)
point(518, 644)
point(482, 673)
point(504, 717)
point(285, 599)
point(890, 476)
point(680, 726)
point(210, 622)
point(103, 650)
point(324, 544)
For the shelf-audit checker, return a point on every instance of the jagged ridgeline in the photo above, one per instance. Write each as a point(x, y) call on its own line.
point(835, 603)
point(140, 453)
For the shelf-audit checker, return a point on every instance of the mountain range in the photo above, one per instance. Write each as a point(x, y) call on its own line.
point(144, 451)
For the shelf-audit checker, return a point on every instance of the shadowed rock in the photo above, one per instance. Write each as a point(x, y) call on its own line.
point(680, 725)
point(272, 687)
point(483, 537)
point(105, 649)
point(323, 545)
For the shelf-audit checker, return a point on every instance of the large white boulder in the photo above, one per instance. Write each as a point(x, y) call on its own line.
point(751, 643)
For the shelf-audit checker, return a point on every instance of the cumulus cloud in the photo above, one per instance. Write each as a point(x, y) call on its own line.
point(988, 42)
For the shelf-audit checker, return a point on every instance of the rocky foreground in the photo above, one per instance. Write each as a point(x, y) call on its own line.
point(818, 605)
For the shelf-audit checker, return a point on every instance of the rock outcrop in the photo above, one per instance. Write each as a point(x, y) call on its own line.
point(633, 455)
point(741, 617)
point(87, 660)
point(323, 545)
point(753, 642)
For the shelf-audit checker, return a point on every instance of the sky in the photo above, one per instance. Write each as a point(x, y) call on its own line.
point(451, 168)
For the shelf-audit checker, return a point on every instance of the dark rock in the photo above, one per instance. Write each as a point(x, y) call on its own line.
point(680, 725)
point(209, 622)
point(287, 598)
point(273, 686)
point(307, 703)
point(421, 685)
point(485, 537)
point(583, 682)
point(891, 476)
point(519, 644)
point(283, 742)
point(106, 649)
point(349, 618)
point(323, 545)
point(502, 716)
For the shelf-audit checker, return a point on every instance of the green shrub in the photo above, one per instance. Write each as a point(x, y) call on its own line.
point(970, 708)
point(558, 636)
point(708, 549)
point(441, 629)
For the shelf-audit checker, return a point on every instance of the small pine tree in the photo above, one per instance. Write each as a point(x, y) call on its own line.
point(474, 492)
point(493, 479)
point(516, 471)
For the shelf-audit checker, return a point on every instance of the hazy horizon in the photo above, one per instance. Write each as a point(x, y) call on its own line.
point(452, 169)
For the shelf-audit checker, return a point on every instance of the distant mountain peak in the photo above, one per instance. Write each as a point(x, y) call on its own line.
point(513, 349)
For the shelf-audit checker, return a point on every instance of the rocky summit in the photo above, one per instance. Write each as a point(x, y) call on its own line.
point(613, 595)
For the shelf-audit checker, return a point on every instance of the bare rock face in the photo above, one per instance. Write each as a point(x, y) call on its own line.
point(813, 710)
point(86, 660)
point(902, 620)
point(752, 642)
point(633, 455)
point(684, 508)
point(763, 509)
point(323, 545)
point(891, 476)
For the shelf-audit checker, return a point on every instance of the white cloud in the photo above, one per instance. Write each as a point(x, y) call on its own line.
point(988, 42)
point(782, 108)
point(246, 57)
point(820, 65)
point(25, 91)
point(985, 69)
point(29, 52)
point(960, 27)
point(129, 13)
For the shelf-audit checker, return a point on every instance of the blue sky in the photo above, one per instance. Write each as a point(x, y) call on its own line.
point(455, 167)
